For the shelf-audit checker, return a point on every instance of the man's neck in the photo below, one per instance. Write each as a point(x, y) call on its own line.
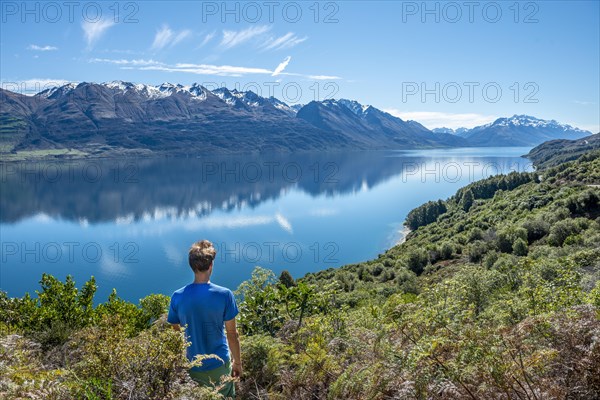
point(201, 278)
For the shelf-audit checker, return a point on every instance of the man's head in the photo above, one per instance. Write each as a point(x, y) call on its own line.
point(201, 256)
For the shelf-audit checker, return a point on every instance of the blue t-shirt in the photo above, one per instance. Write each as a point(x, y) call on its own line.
point(204, 308)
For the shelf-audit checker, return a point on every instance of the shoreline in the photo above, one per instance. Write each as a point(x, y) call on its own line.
point(404, 232)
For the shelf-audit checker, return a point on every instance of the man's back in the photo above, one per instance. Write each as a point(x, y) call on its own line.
point(203, 308)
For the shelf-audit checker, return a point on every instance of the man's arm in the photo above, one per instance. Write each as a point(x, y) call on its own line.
point(233, 339)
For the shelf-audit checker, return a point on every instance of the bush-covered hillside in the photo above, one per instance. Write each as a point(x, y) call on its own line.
point(554, 152)
point(494, 295)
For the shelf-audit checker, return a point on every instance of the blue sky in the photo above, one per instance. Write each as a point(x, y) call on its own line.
point(440, 63)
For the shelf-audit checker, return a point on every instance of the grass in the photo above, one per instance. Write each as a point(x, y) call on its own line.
point(12, 131)
point(40, 154)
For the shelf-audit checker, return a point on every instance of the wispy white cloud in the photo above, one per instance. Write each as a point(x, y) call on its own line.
point(284, 223)
point(35, 47)
point(207, 69)
point(180, 36)
point(207, 39)
point(235, 38)
point(93, 31)
point(432, 119)
point(162, 38)
point(584, 103)
point(324, 77)
point(125, 62)
point(174, 254)
point(232, 222)
point(198, 69)
point(42, 218)
point(313, 77)
point(286, 41)
point(165, 36)
point(109, 266)
point(281, 66)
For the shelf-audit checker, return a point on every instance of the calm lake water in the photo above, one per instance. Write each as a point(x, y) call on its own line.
point(130, 222)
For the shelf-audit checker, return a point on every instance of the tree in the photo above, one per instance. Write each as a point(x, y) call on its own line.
point(259, 303)
point(446, 250)
point(520, 247)
point(425, 214)
point(467, 200)
point(561, 230)
point(286, 279)
point(416, 260)
point(536, 229)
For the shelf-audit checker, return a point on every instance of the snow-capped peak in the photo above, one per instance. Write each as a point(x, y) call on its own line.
point(450, 131)
point(352, 105)
point(280, 105)
point(235, 97)
point(226, 95)
point(166, 89)
point(171, 88)
point(198, 91)
point(59, 90)
point(119, 85)
point(533, 122)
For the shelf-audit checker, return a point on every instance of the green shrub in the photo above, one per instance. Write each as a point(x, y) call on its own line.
point(416, 260)
point(152, 307)
point(490, 259)
point(263, 359)
point(286, 279)
point(476, 251)
point(584, 203)
point(467, 199)
point(475, 234)
point(446, 250)
point(425, 214)
point(536, 229)
point(259, 304)
point(561, 230)
point(406, 281)
point(520, 247)
point(377, 269)
point(506, 237)
point(145, 366)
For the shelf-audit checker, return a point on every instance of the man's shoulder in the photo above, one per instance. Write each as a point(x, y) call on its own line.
point(180, 291)
point(220, 289)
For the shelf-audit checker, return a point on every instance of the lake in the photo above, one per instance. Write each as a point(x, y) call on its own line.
point(130, 222)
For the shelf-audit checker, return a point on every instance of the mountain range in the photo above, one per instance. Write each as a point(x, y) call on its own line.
point(112, 117)
point(518, 130)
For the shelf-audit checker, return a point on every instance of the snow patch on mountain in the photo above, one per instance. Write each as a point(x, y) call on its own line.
point(529, 121)
point(450, 131)
point(59, 90)
point(251, 100)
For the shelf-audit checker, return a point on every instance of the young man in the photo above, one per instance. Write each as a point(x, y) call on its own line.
point(203, 308)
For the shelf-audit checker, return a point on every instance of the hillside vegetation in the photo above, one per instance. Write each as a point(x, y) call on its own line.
point(494, 295)
point(554, 152)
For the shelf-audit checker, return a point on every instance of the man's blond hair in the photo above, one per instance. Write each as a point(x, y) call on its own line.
point(201, 255)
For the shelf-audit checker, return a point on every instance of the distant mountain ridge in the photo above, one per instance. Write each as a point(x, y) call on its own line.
point(554, 152)
point(177, 119)
point(117, 116)
point(458, 131)
point(518, 130)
